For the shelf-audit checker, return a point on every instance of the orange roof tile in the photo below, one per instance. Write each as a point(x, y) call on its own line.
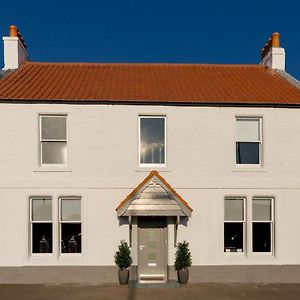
point(148, 83)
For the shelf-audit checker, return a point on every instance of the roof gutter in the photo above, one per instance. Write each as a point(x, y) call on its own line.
point(150, 103)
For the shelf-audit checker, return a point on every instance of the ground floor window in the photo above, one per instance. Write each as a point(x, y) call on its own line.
point(262, 224)
point(234, 224)
point(70, 225)
point(41, 224)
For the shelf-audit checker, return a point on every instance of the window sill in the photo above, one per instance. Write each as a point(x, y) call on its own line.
point(149, 169)
point(67, 256)
point(234, 254)
point(154, 165)
point(262, 254)
point(52, 169)
point(40, 255)
point(249, 168)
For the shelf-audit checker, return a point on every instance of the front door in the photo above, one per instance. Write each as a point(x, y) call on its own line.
point(152, 246)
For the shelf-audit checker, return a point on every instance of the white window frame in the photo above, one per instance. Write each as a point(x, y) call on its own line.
point(31, 198)
point(139, 138)
point(271, 223)
point(41, 140)
point(240, 221)
point(69, 222)
point(260, 141)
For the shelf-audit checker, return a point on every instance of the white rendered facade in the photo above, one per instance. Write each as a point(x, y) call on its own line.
point(103, 167)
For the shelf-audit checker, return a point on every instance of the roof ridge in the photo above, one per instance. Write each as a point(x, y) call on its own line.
point(142, 64)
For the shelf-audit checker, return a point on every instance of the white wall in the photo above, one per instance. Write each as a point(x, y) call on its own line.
point(103, 168)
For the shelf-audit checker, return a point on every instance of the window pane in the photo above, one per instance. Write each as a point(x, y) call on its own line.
point(261, 210)
point(41, 209)
point(247, 130)
point(234, 209)
point(261, 237)
point(54, 128)
point(54, 152)
point(233, 237)
point(41, 237)
point(152, 140)
point(70, 210)
point(70, 238)
point(247, 153)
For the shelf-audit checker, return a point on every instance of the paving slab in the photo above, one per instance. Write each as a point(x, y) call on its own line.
point(115, 292)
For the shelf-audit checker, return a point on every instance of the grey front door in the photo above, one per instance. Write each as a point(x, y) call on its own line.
point(152, 245)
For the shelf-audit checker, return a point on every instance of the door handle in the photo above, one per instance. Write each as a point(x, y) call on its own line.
point(142, 247)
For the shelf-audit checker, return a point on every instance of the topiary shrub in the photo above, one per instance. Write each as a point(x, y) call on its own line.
point(183, 256)
point(123, 257)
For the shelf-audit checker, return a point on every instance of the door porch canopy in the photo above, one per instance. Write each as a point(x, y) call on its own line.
point(154, 197)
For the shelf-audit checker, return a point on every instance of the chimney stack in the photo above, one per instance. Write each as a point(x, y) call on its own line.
point(14, 49)
point(272, 55)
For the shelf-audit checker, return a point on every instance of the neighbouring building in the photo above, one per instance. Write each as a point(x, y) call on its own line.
point(93, 153)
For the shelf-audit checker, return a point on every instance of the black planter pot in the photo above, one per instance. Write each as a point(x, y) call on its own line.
point(183, 276)
point(123, 276)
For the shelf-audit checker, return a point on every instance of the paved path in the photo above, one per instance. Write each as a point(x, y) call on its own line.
point(190, 292)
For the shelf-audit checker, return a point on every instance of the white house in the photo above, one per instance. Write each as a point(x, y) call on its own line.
point(91, 154)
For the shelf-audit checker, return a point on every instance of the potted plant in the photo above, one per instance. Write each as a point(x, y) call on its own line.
point(183, 260)
point(123, 260)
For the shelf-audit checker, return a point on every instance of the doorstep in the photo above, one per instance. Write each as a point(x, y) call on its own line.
point(169, 284)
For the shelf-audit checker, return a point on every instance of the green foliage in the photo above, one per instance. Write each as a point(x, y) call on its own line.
point(183, 256)
point(123, 257)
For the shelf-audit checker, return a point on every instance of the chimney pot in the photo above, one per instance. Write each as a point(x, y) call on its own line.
point(276, 40)
point(13, 31)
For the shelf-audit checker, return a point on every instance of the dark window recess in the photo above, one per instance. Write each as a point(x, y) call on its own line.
point(41, 238)
point(247, 153)
point(233, 237)
point(261, 237)
point(70, 238)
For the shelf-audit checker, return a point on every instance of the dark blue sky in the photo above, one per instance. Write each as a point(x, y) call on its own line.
point(192, 31)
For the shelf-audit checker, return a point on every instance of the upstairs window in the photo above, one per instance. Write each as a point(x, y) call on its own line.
point(234, 225)
point(248, 140)
point(152, 140)
point(53, 140)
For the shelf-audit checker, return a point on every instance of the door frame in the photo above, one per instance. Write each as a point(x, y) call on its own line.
point(165, 253)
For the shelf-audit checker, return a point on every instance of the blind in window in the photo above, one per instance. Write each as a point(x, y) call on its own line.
point(234, 209)
point(247, 130)
point(262, 209)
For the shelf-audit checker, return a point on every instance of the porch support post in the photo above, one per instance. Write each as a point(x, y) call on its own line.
point(176, 229)
point(130, 230)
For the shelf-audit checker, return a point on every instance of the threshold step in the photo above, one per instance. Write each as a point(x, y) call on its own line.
point(151, 276)
point(152, 285)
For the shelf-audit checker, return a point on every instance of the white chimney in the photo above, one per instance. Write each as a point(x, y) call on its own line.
point(14, 49)
point(272, 55)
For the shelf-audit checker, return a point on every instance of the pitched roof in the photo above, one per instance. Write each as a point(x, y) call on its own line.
point(148, 83)
point(142, 184)
point(3, 73)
